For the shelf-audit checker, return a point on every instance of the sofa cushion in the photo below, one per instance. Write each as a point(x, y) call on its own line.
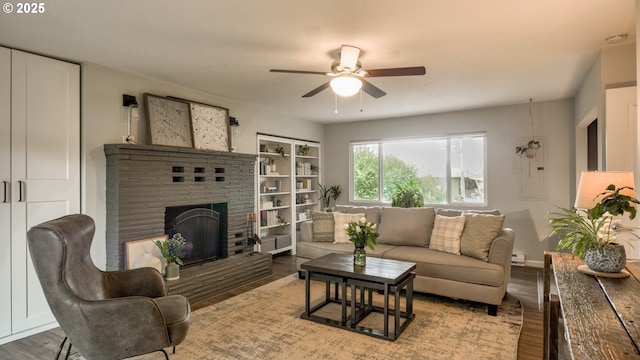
point(446, 234)
point(340, 220)
point(315, 249)
point(483, 212)
point(440, 265)
point(372, 213)
point(411, 227)
point(448, 212)
point(323, 226)
point(479, 232)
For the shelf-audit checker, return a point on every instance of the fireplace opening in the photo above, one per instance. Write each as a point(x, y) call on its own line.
point(204, 228)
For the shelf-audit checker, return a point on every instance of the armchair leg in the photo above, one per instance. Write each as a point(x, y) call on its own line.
point(174, 349)
point(61, 347)
point(166, 356)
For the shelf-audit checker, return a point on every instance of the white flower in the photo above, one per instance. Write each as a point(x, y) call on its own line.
point(373, 226)
point(346, 226)
point(358, 230)
point(363, 220)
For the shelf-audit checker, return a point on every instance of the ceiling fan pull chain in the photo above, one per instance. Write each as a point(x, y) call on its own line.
point(360, 99)
point(336, 110)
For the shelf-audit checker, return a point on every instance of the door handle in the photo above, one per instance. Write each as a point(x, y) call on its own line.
point(22, 188)
point(5, 191)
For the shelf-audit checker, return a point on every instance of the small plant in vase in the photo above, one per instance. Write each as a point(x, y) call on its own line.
point(329, 193)
point(280, 150)
point(303, 150)
point(592, 235)
point(170, 250)
point(361, 233)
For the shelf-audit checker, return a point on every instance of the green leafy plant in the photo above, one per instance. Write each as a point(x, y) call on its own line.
point(594, 228)
point(407, 195)
point(171, 248)
point(579, 232)
point(362, 233)
point(280, 150)
point(527, 148)
point(615, 203)
point(329, 193)
point(303, 149)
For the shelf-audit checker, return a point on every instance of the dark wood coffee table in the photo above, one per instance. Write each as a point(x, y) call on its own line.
point(389, 277)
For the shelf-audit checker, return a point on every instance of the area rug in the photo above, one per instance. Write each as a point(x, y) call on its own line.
point(265, 323)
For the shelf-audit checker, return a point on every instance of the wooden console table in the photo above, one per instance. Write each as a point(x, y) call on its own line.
point(601, 315)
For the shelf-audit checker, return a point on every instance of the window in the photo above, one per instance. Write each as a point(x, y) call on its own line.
point(449, 170)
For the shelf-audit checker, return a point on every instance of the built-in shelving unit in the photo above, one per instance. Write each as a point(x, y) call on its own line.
point(287, 189)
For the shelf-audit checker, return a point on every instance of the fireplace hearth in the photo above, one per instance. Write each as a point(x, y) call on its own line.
point(204, 228)
point(144, 182)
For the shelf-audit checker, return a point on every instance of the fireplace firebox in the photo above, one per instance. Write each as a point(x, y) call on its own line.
point(204, 228)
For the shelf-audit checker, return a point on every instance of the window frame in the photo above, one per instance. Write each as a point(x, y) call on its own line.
point(448, 138)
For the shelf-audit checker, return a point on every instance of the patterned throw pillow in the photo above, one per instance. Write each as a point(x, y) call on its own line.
point(446, 234)
point(341, 219)
point(323, 226)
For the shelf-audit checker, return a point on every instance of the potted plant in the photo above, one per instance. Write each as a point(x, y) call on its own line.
point(329, 193)
point(361, 234)
point(592, 234)
point(170, 250)
point(407, 195)
point(303, 149)
point(529, 149)
point(280, 150)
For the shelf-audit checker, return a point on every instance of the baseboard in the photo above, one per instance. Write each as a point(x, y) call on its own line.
point(534, 263)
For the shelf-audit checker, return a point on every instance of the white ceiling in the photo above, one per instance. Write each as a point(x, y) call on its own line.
point(477, 53)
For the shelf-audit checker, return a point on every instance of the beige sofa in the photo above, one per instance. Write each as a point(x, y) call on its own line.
point(477, 270)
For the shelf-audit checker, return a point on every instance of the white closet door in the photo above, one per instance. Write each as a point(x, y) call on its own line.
point(5, 182)
point(45, 167)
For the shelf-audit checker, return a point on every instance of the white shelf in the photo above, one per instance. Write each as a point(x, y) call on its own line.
point(275, 193)
point(286, 182)
point(276, 208)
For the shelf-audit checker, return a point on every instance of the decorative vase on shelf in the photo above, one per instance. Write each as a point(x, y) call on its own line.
point(612, 259)
point(172, 271)
point(359, 255)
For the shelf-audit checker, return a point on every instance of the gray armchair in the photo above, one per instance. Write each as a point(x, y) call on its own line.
point(105, 315)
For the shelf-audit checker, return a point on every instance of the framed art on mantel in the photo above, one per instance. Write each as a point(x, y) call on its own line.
point(210, 127)
point(169, 121)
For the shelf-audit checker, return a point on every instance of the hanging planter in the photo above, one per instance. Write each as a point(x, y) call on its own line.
point(528, 150)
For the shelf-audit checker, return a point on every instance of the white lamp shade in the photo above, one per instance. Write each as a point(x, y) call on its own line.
point(346, 85)
point(593, 183)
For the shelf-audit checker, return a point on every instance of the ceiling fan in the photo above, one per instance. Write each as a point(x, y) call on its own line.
point(348, 75)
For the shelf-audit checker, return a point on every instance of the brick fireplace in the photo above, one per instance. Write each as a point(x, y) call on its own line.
point(144, 180)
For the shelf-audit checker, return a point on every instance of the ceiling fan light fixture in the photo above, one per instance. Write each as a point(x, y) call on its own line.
point(346, 85)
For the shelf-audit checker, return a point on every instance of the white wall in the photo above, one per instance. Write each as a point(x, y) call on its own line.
point(554, 120)
point(104, 122)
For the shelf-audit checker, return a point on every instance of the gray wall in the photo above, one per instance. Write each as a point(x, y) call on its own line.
point(503, 125)
point(104, 122)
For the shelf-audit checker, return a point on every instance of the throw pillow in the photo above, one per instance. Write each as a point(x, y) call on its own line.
point(446, 234)
point(411, 227)
point(340, 220)
point(478, 234)
point(323, 226)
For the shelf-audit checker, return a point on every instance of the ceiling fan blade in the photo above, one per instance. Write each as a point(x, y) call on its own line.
point(316, 90)
point(371, 89)
point(406, 71)
point(349, 56)
point(298, 72)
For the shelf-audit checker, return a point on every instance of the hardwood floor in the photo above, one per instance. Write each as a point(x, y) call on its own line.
point(523, 285)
